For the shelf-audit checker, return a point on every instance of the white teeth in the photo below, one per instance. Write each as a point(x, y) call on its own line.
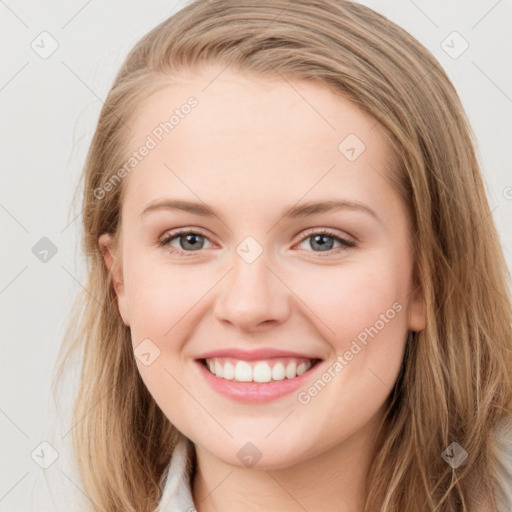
point(262, 372)
point(243, 371)
point(229, 371)
point(219, 369)
point(278, 371)
point(301, 368)
point(257, 371)
point(291, 370)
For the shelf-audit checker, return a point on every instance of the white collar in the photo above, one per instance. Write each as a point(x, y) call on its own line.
point(177, 493)
point(504, 449)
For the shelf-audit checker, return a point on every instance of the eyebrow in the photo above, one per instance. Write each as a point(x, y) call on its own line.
point(304, 210)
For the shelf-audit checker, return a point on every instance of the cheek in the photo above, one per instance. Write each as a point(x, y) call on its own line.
point(340, 305)
point(161, 296)
point(341, 300)
point(346, 299)
point(162, 310)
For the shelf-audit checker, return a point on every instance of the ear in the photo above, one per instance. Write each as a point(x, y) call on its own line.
point(417, 310)
point(113, 264)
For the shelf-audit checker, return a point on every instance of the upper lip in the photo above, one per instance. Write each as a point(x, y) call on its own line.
point(251, 355)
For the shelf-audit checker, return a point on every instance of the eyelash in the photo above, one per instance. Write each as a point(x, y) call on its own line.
point(347, 244)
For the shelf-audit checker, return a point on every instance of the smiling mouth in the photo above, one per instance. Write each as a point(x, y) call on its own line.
point(262, 371)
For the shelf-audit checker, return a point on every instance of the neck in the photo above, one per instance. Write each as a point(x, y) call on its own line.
point(334, 480)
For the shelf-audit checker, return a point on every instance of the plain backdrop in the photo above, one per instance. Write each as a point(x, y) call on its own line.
point(59, 61)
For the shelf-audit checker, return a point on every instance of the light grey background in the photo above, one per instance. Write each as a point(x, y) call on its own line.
point(49, 110)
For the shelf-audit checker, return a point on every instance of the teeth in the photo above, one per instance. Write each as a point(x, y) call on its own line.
point(219, 369)
point(291, 371)
point(278, 371)
point(262, 372)
point(301, 368)
point(258, 371)
point(229, 371)
point(243, 371)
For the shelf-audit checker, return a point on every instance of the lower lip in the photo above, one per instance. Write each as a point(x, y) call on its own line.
point(255, 391)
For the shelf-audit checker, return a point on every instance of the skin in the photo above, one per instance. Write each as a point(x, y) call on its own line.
point(253, 148)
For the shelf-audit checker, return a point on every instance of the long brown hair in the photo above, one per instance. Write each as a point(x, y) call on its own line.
point(455, 384)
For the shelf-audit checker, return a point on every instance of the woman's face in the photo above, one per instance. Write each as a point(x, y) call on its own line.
point(308, 256)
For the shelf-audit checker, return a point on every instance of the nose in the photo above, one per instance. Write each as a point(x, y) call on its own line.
point(252, 296)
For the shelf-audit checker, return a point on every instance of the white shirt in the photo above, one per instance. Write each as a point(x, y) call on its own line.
point(177, 493)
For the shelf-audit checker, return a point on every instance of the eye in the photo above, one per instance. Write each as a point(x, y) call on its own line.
point(324, 239)
point(192, 241)
point(189, 241)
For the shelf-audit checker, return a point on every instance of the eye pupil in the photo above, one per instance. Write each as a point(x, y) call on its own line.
point(193, 242)
point(320, 241)
point(190, 239)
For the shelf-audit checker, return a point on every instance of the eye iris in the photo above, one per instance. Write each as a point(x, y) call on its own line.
point(320, 241)
point(190, 239)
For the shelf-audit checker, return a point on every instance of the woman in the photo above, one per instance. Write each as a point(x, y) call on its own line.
point(236, 366)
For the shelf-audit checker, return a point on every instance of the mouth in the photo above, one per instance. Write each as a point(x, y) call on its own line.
point(259, 371)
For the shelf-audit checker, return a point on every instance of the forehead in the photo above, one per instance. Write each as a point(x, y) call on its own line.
point(251, 138)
